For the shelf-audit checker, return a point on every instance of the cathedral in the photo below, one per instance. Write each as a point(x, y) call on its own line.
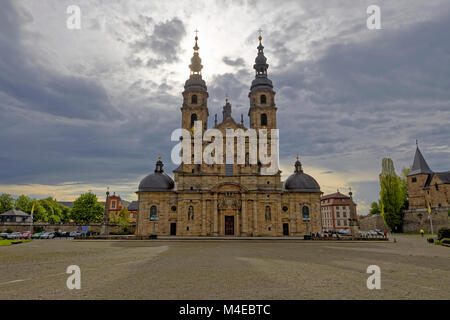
point(228, 199)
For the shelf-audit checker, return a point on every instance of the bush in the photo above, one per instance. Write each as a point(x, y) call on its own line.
point(38, 229)
point(430, 240)
point(443, 233)
point(8, 231)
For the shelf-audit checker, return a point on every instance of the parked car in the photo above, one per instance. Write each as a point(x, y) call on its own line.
point(45, 235)
point(75, 234)
point(14, 235)
point(51, 235)
point(25, 235)
point(36, 235)
point(3, 235)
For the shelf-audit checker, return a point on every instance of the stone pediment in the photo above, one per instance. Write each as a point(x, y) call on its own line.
point(229, 123)
point(229, 187)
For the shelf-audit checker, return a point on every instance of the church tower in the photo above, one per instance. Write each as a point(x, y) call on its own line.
point(263, 112)
point(195, 95)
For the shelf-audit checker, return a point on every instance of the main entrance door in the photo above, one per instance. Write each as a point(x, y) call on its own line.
point(285, 229)
point(173, 229)
point(229, 225)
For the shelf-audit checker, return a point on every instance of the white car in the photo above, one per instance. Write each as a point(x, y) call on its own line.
point(14, 235)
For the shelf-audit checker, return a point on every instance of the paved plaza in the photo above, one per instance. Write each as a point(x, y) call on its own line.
point(257, 269)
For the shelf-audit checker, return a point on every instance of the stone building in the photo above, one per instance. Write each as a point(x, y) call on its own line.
point(335, 211)
point(426, 187)
point(228, 199)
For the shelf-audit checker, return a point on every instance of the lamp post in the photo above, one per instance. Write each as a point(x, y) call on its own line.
point(105, 227)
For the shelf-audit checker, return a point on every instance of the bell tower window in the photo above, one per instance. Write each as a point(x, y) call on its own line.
point(263, 119)
point(263, 99)
point(193, 119)
point(194, 99)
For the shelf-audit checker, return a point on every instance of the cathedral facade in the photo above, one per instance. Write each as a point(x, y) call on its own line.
point(226, 199)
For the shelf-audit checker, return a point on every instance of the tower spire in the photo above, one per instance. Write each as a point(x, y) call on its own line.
point(196, 62)
point(261, 82)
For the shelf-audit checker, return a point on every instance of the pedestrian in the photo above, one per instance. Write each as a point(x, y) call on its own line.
point(422, 232)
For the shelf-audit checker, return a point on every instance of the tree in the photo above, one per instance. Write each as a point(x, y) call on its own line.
point(392, 196)
point(24, 203)
point(404, 187)
point(6, 202)
point(124, 219)
point(375, 208)
point(86, 209)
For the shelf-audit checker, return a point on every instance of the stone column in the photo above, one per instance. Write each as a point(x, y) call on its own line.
point(215, 217)
point(203, 217)
point(255, 218)
point(244, 216)
point(237, 232)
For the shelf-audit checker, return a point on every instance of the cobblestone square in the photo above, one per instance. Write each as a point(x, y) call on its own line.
point(254, 269)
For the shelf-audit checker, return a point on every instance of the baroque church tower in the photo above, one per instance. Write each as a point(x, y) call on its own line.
point(195, 94)
point(263, 112)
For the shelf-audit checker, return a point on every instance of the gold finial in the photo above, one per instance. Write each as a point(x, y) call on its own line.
point(298, 157)
point(260, 34)
point(159, 158)
point(196, 34)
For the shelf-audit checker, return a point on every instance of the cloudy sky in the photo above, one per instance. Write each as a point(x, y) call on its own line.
point(85, 109)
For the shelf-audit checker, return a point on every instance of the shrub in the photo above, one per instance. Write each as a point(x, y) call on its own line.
point(443, 233)
point(430, 240)
point(8, 231)
point(38, 229)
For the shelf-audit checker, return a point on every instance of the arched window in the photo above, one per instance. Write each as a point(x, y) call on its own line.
point(263, 119)
point(268, 215)
point(191, 213)
point(153, 213)
point(263, 99)
point(193, 119)
point(305, 213)
point(194, 99)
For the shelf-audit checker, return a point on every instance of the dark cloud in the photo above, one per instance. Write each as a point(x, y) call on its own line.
point(238, 62)
point(164, 43)
point(32, 86)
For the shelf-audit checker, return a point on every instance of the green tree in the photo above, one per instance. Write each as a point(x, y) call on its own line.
point(6, 202)
point(124, 219)
point(24, 203)
point(404, 187)
point(392, 196)
point(40, 214)
point(375, 208)
point(86, 209)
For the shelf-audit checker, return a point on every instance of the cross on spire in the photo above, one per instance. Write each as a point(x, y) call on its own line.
point(260, 31)
point(196, 32)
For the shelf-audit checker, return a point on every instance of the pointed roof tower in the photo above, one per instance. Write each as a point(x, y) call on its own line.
point(420, 165)
point(195, 81)
point(261, 80)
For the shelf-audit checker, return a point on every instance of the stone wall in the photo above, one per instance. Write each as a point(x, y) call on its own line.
point(48, 227)
point(372, 222)
point(416, 219)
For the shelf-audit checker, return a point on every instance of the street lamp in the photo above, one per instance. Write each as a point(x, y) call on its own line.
point(105, 228)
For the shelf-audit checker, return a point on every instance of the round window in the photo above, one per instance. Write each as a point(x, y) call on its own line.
point(174, 208)
point(285, 208)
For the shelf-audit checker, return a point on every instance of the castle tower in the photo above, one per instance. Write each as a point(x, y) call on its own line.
point(263, 112)
point(417, 179)
point(195, 94)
